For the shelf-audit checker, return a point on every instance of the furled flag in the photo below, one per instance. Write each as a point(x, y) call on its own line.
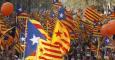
point(49, 51)
point(33, 35)
point(66, 18)
point(61, 13)
point(61, 37)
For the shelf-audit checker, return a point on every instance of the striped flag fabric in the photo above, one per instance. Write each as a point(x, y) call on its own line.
point(50, 26)
point(50, 51)
point(33, 36)
point(66, 18)
point(96, 31)
point(61, 37)
point(92, 15)
point(7, 41)
point(112, 16)
point(40, 28)
point(3, 26)
point(19, 48)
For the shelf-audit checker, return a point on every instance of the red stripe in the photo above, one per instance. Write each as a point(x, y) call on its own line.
point(68, 27)
point(70, 22)
point(38, 26)
point(92, 18)
point(66, 42)
point(58, 43)
point(68, 16)
point(54, 51)
point(94, 12)
point(18, 48)
point(89, 17)
point(64, 49)
point(92, 15)
point(47, 44)
point(89, 11)
point(33, 54)
point(50, 55)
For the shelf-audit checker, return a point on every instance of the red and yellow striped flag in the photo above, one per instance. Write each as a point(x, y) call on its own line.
point(96, 31)
point(41, 29)
point(49, 51)
point(19, 48)
point(61, 37)
point(70, 24)
point(92, 15)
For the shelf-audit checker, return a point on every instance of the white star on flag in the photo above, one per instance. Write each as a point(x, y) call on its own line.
point(107, 40)
point(53, 15)
point(34, 39)
point(22, 39)
point(20, 9)
point(61, 15)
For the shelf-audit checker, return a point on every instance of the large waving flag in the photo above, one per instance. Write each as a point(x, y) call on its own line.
point(40, 28)
point(33, 35)
point(61, 37)
point(49, 51)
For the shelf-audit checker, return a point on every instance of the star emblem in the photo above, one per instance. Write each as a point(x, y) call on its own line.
point(20, 9)
point(34, 39)
point(58, 33)
point(65, 34)
point(107, 40)
point(61, 15)
point(53, 15)
point(22, 39)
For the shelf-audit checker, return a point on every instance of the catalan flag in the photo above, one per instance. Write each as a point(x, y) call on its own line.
point(50, 51)
point(61, 37)
point(3, 26)
point(19, 48)
point(40, 28)
point(33, 35)
point(96, 31)
point(8, 37)
point(66, 18)
point(7, 41)
point(92, 15)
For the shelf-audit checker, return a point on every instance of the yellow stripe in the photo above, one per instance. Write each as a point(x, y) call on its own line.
point(95, 16)
point(35, 22)
point(41, 30)
point(51, 58)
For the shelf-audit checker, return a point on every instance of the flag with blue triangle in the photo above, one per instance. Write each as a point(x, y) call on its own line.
point(33, 35)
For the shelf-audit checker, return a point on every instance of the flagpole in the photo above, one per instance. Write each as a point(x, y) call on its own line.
point(98, 48)
point(36, 53)
point(25, 38)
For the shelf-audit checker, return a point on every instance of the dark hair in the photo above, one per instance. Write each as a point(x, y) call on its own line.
point(114, 8)
point(113, 37)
